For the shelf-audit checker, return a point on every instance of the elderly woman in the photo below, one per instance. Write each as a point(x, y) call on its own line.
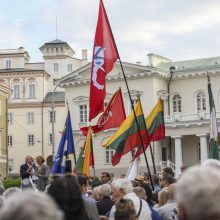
point(42, 172)
point(105, 204)
point(122, 188)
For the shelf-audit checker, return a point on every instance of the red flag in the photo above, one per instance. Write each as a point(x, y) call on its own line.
point(112, 117)
point(104, 56)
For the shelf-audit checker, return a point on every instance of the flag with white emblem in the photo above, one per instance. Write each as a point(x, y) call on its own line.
point(104, 56)
point(112, 117)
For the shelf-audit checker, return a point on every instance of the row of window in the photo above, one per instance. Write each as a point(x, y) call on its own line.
point(200, 103)
point(30, 140)
point(56, 67)
point(30, 117)
point(8, 65)
point(176, 104)
point(17, 91)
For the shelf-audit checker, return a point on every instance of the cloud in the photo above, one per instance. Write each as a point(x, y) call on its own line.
point(178, 29)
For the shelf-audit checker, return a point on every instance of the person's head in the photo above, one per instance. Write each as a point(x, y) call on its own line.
point(198, 194)
point(168, 170)
point(83, 182)
point(155, 179)
point(166, 180)
point(105, 177)
point(120, 187)
point(95, 194)
point(125, 210)
point(29, 160)
point(104, 190)
point(10, 191)
point(40, 160)
point(123, 175)
point(30, 205)
point(139, 180)
point(95, 182)
point(147, 177)
point(66, 192)
point(140, 192)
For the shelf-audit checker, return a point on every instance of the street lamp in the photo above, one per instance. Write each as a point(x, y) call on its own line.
point(172, 69)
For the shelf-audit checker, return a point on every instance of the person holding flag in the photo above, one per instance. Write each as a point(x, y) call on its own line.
point(65, 158)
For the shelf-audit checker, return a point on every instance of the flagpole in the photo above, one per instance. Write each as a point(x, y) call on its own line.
point(151, 151)
point(126, 83)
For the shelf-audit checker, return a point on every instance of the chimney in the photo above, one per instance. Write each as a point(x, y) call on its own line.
point(84, 54)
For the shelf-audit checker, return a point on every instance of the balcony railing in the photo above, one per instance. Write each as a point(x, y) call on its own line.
point(189, 117)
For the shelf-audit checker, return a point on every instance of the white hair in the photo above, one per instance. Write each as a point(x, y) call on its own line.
point(104, 190)
point(11, 191)
point(198, 192)
point(123, 184)
point(212, 163)
point(30, 205)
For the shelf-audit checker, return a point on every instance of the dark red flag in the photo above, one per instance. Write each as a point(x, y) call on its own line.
point(104, 56)
point(112, 117)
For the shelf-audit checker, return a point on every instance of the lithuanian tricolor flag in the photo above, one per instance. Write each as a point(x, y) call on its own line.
point(155, 122)
point(127, 137)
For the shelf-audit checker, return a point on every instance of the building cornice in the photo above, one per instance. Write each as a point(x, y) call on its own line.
point(195, 74)
point(119, 77)
point(35, 73)
point(32, 105)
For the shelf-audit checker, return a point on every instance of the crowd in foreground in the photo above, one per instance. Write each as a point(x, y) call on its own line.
point(195, 195)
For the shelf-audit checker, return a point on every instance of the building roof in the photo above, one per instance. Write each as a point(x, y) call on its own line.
point(55, 43)
point(19, 70)
point(196, 64)
point(58, 97)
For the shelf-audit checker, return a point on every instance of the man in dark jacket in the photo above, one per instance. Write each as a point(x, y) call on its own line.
point(25, 170)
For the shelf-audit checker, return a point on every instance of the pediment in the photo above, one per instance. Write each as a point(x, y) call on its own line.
point(81, 99)
point(84, 73)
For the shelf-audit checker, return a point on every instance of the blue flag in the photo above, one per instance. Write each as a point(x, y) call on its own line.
point(65, 156)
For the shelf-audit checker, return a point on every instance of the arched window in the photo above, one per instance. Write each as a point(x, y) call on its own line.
point(201, 102)
point(177, 104)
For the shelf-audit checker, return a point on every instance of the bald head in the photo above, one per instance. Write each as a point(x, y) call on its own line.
point(29, 159)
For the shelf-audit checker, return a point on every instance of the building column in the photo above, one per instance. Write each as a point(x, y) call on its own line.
point(203, 147)
point(178, 155)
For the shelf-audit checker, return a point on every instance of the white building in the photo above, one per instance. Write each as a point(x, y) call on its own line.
point(185, 95)
point(29, 113)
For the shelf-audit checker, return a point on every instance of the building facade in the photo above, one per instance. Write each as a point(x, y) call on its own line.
point(5, 93)
point(29, 108)
point(183, 88)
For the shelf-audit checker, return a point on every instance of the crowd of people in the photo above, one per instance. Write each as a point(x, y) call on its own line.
point(195, 195)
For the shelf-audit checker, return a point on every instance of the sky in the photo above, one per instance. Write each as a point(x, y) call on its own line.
point(177, 29)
